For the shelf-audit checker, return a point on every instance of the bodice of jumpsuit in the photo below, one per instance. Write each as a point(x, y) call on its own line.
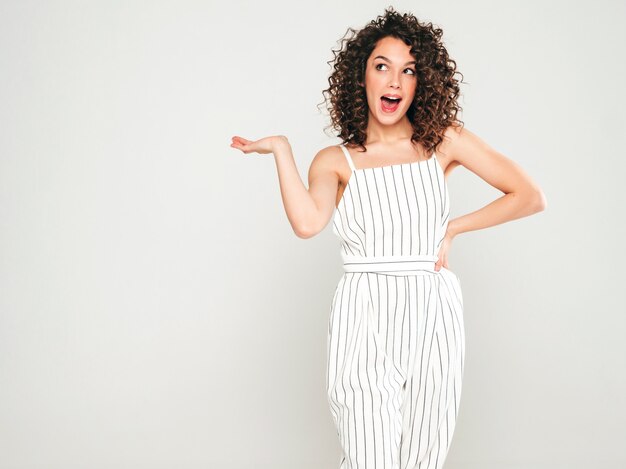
point(397, 213)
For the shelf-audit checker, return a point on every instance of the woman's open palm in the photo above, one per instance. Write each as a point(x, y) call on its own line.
point(262, 146)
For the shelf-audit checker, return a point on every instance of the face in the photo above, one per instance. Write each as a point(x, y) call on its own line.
point(390, 71)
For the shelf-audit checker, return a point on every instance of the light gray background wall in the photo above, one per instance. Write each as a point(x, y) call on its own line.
point(157, 311)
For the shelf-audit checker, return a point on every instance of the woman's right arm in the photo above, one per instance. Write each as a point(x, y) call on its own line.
point(308, 211)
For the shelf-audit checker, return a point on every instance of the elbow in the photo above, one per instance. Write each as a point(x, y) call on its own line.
point(304, 232)
point(308, 226)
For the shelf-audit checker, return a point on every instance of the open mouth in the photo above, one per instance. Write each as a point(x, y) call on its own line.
point(390, 104)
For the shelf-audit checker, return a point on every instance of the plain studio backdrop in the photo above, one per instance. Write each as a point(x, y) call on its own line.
point(157, 310)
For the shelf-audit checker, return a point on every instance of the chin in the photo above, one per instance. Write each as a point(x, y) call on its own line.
point(390, 118)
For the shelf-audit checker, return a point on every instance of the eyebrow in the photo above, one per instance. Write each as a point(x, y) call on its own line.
point(385, 58)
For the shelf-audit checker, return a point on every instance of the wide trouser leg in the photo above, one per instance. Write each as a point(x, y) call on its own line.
point(433, 392)
point(364, 384)
point(394, 369)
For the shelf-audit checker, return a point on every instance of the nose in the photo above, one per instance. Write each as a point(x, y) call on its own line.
point(394, 82)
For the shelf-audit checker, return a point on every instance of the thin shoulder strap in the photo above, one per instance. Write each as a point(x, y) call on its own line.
point(348, 157)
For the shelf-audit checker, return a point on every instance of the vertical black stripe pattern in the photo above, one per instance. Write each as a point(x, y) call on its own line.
point(396, 343)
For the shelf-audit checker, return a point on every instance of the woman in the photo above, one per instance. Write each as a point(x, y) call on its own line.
point(396, 341)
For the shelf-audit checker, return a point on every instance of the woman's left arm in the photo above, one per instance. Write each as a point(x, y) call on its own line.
point(522, 196)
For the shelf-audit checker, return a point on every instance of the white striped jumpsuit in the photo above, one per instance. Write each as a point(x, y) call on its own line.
point(396, 341)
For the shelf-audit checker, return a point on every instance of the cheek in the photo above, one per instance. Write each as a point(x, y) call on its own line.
point(372, 82)
point(411, 95)
point(410, 83)
point(373, 89)
point(372, 100)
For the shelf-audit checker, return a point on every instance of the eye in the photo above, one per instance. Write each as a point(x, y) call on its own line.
point(384, 65)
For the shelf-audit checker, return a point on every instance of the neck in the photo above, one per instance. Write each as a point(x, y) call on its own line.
point(381, 133)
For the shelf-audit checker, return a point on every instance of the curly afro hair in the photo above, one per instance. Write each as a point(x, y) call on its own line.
point(434, 106)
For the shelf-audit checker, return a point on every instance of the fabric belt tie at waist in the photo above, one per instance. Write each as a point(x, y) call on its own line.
point(393, 265)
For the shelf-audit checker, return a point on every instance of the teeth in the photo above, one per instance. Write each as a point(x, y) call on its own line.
point(392, 99)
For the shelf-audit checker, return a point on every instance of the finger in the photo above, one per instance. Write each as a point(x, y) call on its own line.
point(241, 140)
point(438, 262)
point(444, 261)
point(240, 146)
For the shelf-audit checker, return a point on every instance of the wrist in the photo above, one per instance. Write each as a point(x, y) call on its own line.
point(452, 229)
point(279, 141)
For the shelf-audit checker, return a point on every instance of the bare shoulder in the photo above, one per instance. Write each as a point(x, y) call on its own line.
point(457, 139)
point(447, 148)
point(327, 154)
point(450, 137)
point(325, 168)
point(326, 160)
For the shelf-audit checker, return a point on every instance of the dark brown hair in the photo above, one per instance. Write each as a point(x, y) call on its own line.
point(434, 106)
